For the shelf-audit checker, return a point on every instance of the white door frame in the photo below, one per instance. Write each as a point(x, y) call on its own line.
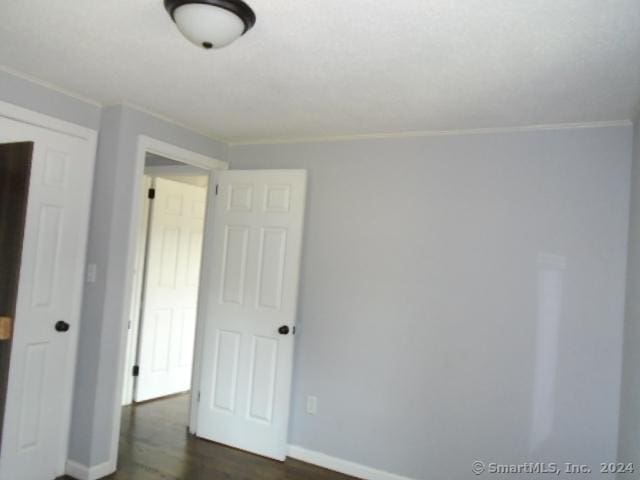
point(150, 145)
point(173, 171)
point(136, 298)
point(23, 115)
point(90, 137)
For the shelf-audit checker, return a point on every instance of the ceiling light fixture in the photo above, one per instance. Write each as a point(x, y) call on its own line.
point(211, 23)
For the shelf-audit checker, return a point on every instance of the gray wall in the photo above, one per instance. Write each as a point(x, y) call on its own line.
point(630, 401)
point(35, 97)
point(104, 304)
point(462, 297)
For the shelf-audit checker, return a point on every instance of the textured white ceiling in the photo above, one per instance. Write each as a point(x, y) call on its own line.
point(315, 68)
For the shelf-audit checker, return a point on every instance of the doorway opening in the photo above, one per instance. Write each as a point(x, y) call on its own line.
point(238, 350)
point(15, 172)
point(165, 228)
point(162, 318)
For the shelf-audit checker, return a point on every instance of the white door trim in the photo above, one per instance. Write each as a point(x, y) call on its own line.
point(136, 299)
point(90, 137)
point(173, 171)
point(158, 147)
point(23, 115)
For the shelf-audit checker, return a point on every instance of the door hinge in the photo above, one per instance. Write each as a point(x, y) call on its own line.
point(136, 370)
point(217, 186)
point(198, 396)
point(294, 329)
point(152, 193)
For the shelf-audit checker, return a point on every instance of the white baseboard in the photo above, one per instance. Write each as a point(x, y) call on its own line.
point(82, 472)
point(340, 465)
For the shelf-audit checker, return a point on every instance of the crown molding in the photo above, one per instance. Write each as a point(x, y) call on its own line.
point(330, 138)
point(436, 133)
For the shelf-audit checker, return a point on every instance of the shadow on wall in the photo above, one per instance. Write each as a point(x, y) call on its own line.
point(550, 278)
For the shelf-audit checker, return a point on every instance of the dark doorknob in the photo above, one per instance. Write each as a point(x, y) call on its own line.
point(283, 330)
point(62, 326)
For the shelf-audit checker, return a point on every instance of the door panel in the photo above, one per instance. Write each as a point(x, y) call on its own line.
point(234, 264)
point(264, 354)
point(225, 371)
point(246, 363)
point(171, 289)
point(34, 371)
point(36, 421)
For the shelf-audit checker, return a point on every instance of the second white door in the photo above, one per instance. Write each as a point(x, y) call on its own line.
point(170, 290)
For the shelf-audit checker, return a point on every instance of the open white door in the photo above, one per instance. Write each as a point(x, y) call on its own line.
point(38, 408)
point(248, 345)
point(170, 292)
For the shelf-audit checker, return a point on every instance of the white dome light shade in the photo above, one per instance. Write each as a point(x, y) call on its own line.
point(211, 23)
point(204, 25)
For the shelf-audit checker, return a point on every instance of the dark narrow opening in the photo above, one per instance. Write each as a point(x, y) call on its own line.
point(15, 169)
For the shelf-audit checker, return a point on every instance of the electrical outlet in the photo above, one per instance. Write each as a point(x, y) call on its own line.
point(312, 405)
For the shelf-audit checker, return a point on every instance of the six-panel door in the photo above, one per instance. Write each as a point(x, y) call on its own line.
point(171, 289)
point(36, 422)
point(247, 356)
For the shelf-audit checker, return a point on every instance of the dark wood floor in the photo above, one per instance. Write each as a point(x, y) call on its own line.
point(155, 445)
